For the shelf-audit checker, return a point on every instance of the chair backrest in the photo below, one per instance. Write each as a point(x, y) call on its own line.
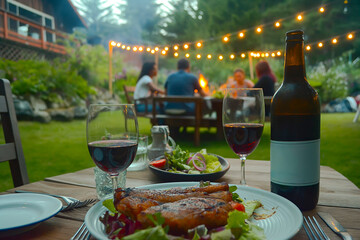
point(12, 149)
point(129, 93)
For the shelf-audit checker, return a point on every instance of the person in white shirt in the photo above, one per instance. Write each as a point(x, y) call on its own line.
point(145, 87)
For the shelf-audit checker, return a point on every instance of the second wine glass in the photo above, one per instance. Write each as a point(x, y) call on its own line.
point(112, 137)
point(243, 121)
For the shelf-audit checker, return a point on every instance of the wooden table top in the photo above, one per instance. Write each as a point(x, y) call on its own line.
point(338, 196)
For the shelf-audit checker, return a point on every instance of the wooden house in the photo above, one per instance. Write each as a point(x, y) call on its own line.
point(31, 29)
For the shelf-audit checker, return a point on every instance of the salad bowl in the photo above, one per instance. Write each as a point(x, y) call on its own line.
point(165, 175)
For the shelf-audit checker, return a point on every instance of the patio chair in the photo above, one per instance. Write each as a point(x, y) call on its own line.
point(11, 150)
point(129, 94)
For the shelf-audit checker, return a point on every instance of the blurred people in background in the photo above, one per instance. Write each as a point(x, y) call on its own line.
point(145, 87)
point(238, 80)
point(182, 83)
point(266, 81)
point(266, 78)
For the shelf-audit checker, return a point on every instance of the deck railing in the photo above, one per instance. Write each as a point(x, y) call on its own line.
point(18, 29)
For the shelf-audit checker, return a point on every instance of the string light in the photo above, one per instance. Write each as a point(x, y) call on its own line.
point(198, 56)
point(166, 48)
point(322, 9)
point(176, 54)
point(232, 56)
point(176, 47)
point(156, 48)
point(141, 49)
point(266, 54)
point(350, 36)
point(187, 55)
point(278, 53)
point(135, 49)
point(243, 55)
point(277, 24)
point(112, 43)
point(334, 41)
point(152, 51)
point(221, 57)
point(123, 46)
point(299, 17)
point(226, 39)
point(118, 44)
point(199, 44)
point(258, 29)
point(273, 54)
point(209, 56)
point(163, 52)
point(308, 48)
point(241, 34)
point(320, 44)
point(186, 46)
point(128, 48)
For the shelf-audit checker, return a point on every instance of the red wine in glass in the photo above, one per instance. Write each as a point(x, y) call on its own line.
point(113, 156)
point(243, 138)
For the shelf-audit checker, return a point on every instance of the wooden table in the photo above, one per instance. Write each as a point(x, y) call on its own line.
point(338, 196)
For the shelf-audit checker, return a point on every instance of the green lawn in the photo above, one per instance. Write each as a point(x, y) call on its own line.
point(57, 148)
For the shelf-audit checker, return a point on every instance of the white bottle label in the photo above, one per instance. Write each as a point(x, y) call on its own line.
point(295, 163)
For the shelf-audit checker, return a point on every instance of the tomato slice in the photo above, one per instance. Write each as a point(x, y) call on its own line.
point(159, 163)
point(238, 206)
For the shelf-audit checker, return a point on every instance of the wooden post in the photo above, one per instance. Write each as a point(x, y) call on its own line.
point(251, 67)
point(157, 65)
point(5, 25)
point(110, 67)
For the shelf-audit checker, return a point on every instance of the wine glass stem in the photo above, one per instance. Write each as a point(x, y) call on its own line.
point(114, 180)
point(242, 160)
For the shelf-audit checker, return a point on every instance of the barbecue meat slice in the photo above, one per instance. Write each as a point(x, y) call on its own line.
point(170, 195)
point(132, 205)
point(188, 213)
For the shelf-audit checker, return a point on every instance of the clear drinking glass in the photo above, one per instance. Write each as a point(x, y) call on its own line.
point(112, 137)
point(243, 121)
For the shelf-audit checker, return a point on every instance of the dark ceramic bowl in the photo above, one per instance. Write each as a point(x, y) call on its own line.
point(176, 177)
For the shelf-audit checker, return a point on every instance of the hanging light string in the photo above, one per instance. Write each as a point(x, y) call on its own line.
point(226, 37)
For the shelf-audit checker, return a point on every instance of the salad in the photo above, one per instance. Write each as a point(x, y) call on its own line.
point(119, 226)
point(181, 161)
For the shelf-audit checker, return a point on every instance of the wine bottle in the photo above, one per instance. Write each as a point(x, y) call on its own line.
point(295, 131)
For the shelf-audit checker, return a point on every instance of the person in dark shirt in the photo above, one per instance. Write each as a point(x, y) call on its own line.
point(182, 83)
point(266, 80)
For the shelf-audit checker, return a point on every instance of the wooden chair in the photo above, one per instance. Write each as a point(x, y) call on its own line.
point(129, 94)
point(12, 149)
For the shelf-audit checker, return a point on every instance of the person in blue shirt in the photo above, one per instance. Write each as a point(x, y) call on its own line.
point(182, 83)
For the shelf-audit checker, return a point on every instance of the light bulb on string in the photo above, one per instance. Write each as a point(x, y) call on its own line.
point(334, 41)
point(232, 56)
point(141, 49)
point(258, 29)
point(187, 55)
point(166, 48)
point(176, 47)
point(243, 55)
point(123, 46)
point(148, 49)
point(198, 44)
point(128, 48)
point(299, 17)
point(152, 51)
point(176, 54)
point(135, 49)
point(226, 39)
point(198, 56)
point(241, 34)
point(277, 24)
point(278, 53)
point(112, 43)
point(156, 48)
point(350, 36)
point(320, 44)
point(266, 54)
point(221, 57)
point(209, 56)
point(118, 44)
point(163, 52)
point(273, 54)
point(308, 47)
point(322, 9)
point(186, 46)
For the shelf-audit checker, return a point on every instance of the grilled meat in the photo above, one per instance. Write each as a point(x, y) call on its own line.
point(189, 213)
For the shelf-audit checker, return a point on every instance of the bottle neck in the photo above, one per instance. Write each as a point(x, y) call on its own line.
point(294, 61)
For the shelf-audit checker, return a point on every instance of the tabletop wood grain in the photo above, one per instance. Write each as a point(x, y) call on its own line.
point(338, 196)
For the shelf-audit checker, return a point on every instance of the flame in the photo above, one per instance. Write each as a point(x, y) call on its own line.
point(204, 84)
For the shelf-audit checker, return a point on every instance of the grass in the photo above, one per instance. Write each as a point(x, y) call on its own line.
point(60, 147)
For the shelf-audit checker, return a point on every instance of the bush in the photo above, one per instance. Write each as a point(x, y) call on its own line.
point(44, 79)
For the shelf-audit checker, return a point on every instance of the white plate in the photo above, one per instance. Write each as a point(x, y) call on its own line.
point(284, 224)
point(21, 212)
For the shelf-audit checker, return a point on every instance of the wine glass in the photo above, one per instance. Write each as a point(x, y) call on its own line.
point(243, 121)
point(112, 137)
